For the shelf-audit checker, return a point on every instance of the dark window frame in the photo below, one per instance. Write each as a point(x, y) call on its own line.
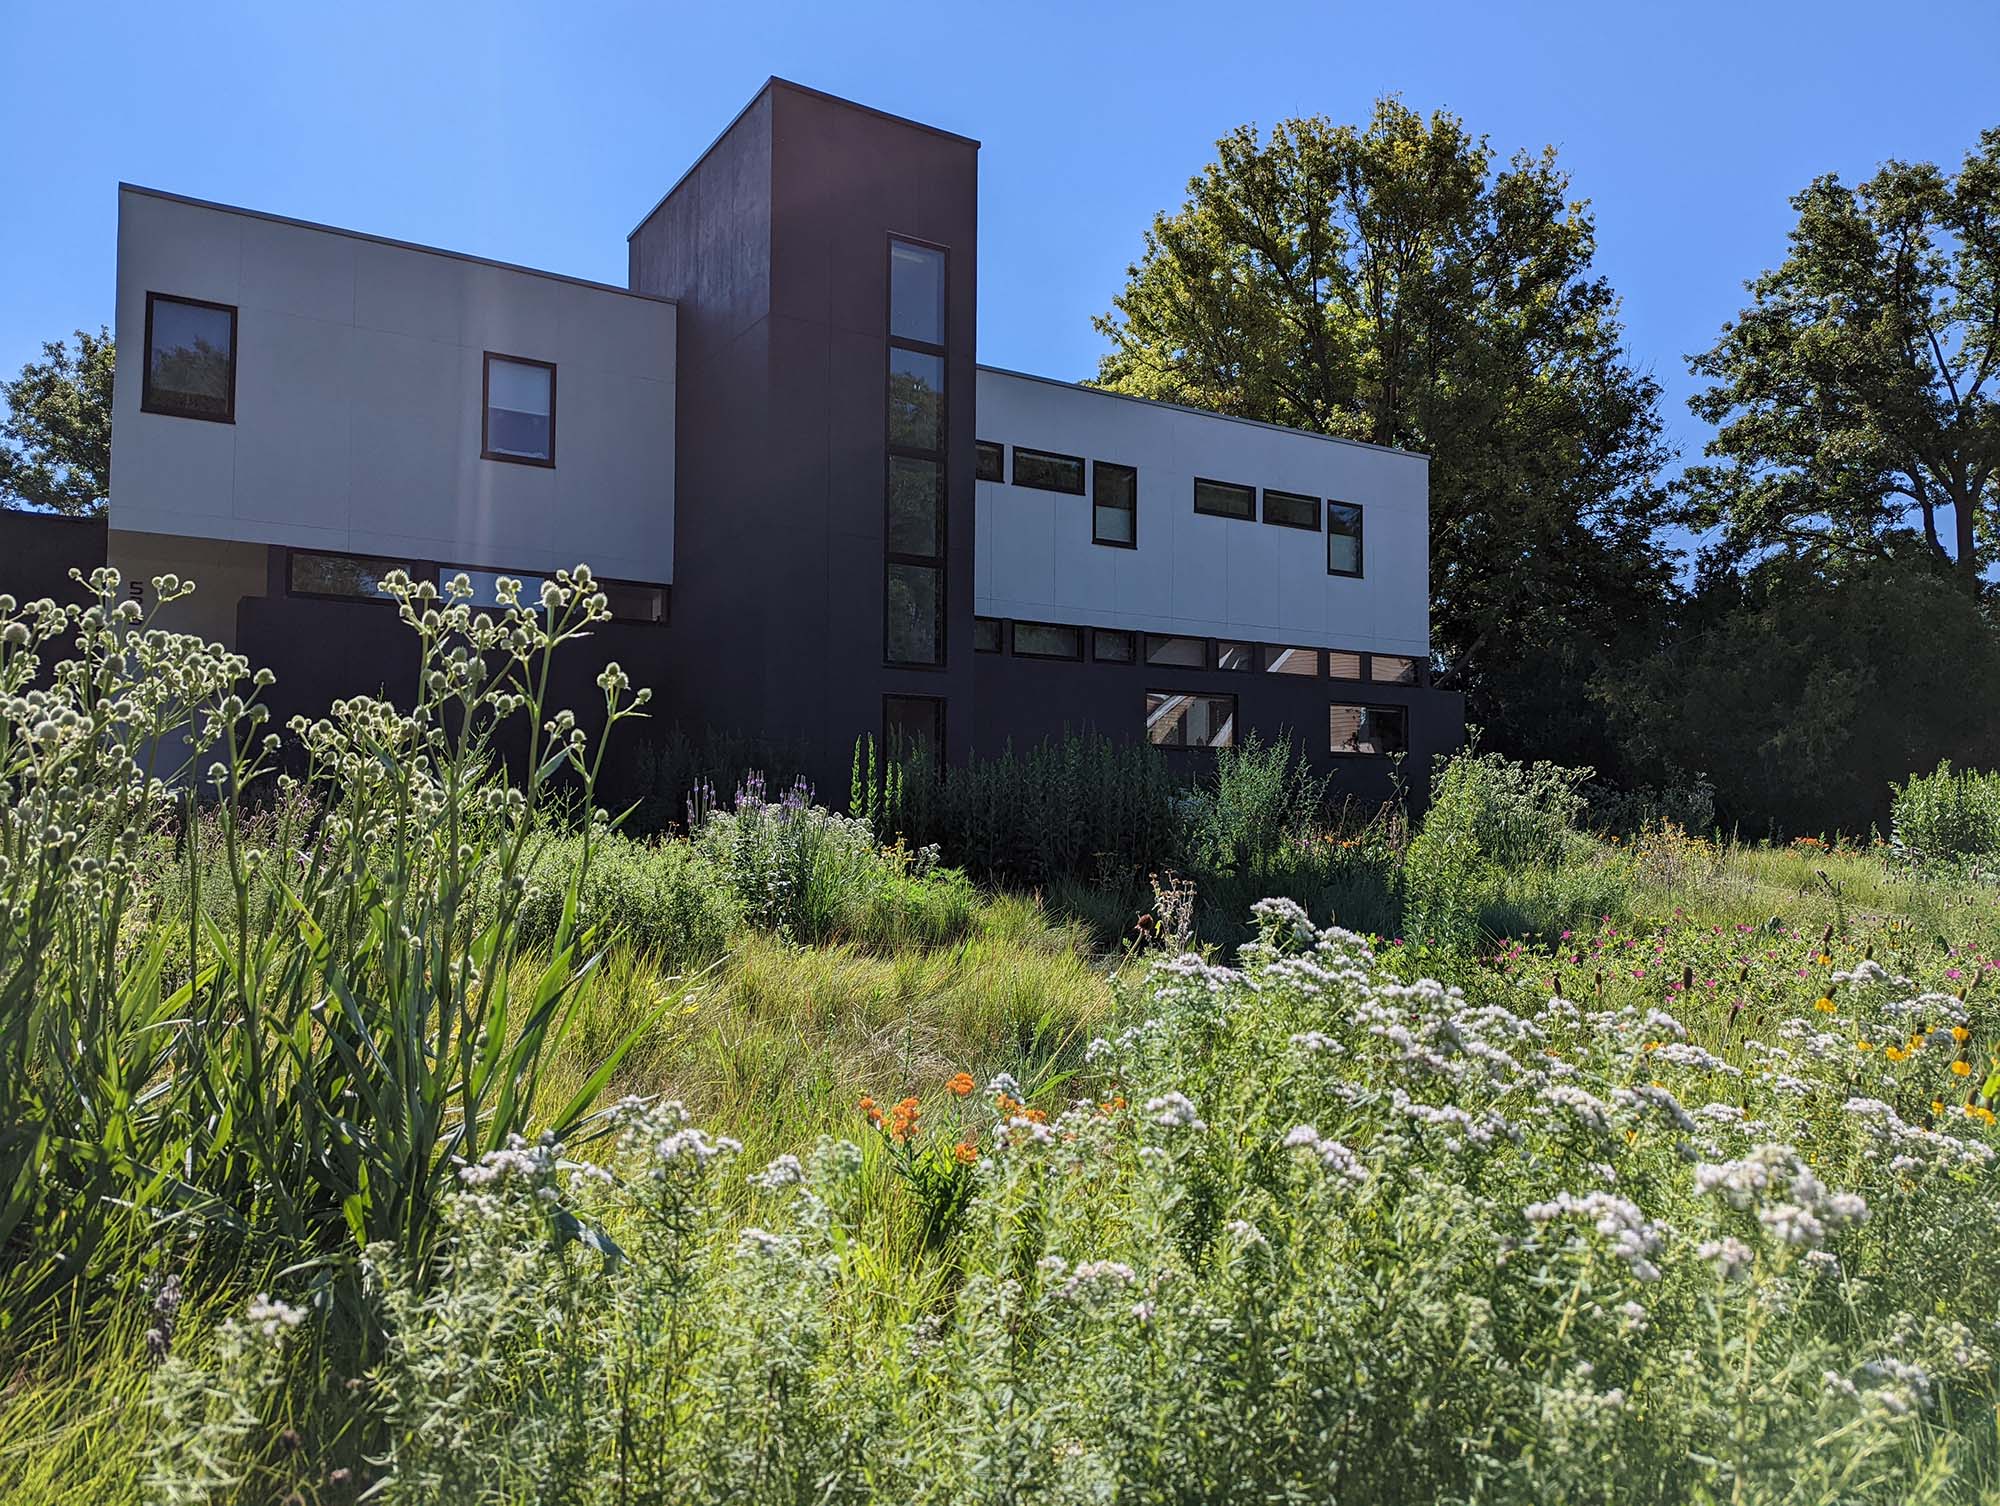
point(1401, 709)
point(1271, 650)
point(999, 635)
point(433, 570)
point(1315, 526)
point(1251, 657)
point(1416, 670)
point(1096, 467)
point(980, 449)
point(1250, 492)
point(1082, 471)
point(941, 456)
point(1130, 635)
point(148, 403)
point(936, 702)
point(1235, 717)
point(486, 450)
point(904, 557)
point(1016, 651)
point(1146, 654)
point(1360, 540)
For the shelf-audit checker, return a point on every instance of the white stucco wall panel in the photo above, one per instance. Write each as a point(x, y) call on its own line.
point(358, 401)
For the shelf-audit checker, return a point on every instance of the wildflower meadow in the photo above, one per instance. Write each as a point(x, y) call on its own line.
point(380, 1122)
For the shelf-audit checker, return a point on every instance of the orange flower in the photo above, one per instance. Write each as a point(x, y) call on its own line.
point(903, 1119)
point(961, 1085)
point(1961, 1069)
point(1113, 1104)
point(964, 1153)
point(869, 1111)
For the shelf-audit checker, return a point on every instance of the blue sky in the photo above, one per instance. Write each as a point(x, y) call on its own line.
point(541, 133)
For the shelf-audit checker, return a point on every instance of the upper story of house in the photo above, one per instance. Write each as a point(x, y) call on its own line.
point(360, 403)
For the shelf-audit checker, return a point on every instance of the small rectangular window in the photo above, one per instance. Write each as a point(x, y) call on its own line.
point(632, 602)
point(916, 507)
point(911, 720)
point(520, 422)
point(1292, 661)
point(1377, 730)
point(1224, 499)
point(916, 293)
point(1047, 640)
point(1291, 510)
point(1235, 656)
point(1343, 539)
point(190, 364)
point(1182, 653)
point(990, 461)
point(1110, 646)
point(914, 631)
point(1047, 472)
point(1177, 720)
point(1392, 669)
point(486, 586)
point(312, 574)
point(986, 635)
point(1114, 504)
point(916, 400)
point(1341, 665)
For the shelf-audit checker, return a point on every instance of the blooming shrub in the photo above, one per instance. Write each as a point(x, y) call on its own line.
point(1947, 813)
point(1318, 1233)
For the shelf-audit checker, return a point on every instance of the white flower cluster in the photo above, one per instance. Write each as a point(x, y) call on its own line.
point(1791, 1202)
point(1334, 1156)
point(1635, 1239)
point(1174, 1110)
point(268, 1316)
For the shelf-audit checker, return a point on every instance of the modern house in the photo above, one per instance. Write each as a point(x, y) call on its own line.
point(818, 514)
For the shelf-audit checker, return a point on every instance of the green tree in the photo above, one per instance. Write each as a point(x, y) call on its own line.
point(57, 428)
point(1399, 284)
point(1858, 396)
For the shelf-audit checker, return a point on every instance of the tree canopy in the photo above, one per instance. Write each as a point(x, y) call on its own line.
point(1857, 398)
point(1398, 283)
point(57, 428)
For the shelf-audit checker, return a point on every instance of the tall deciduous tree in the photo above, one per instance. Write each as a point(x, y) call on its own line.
point(1858, 396)
point(57, 428)
point(1401, 285)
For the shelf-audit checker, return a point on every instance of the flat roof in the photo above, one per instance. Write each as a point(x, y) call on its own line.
point(386, 240)
point(775, 82)
point(1228, 418)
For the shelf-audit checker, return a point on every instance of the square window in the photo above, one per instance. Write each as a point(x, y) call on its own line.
point(1047, 640)
point(520, 423)
point(916, 400)
point(916, 507)
point(1292, 661)
point(1176, 720)
point(1374, 730)
point(1341, 665)
point(190, 369)
point(1182, 653)
point(986, 635)
point(1392, 669)
point(1235, 656)
point(1291, 510)
point(1109, 646)
point(1114, 505)
point(912, 720)
point(1343, 539)
point(916, 293)
point(990, 461)
point(308, 573)
point(1047, 472)
point(914, 630)
point(1224, 499)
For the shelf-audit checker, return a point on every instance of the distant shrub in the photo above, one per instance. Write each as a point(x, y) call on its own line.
point(1947, 813)
point(1263, 799)
point(664, 898)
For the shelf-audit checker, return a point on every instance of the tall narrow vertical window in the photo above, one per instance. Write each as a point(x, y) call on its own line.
point(916, 504)
point(190, 369)
point(520, 422)
point(912, 720)
point(1343, 539)
point(1114, 505)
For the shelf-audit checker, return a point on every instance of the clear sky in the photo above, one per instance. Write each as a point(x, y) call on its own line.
point(541, 133)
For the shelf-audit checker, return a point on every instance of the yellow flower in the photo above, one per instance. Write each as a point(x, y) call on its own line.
point(1823, 1004)
point(1960, 1034)
point(1937, 1106)
point(1894, 1053)
point(1961, 1069)
point(1864, 1045)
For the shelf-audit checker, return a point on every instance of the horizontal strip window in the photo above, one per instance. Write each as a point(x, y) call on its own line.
point(1291, 661)
point(1225, 499)
point(1047, 640)
point(1392, 669)
point(1048, 472)
point(1178, 720)
point(1180, 653)
point(990, 461)
point(1369, 730)
point(1341, 665)
point(986, 635)
point(1114, 512)
point(1112, 646)
point(351, 576)
point(1291, 510)
point(1236, 656)
point(1343, 539)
